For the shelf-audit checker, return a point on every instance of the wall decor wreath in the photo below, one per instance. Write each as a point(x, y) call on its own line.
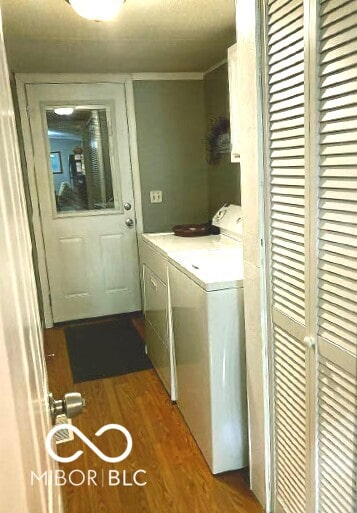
point(218, 140)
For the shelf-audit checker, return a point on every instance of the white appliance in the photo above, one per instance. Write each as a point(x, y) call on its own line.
point(206, 289)
point(154, 250)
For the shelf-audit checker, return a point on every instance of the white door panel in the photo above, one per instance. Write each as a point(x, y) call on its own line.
point(91, 254)
point(23, 379)
point(103, 282)
point(286, 207)
point(311, 252)
point(336, 297)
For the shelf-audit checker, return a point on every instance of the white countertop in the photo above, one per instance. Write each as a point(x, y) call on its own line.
point(167, 243)
point(212, 270)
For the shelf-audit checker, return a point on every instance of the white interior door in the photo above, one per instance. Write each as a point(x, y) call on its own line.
point(335, 90)
point(23, 379)
point(311, 87)
point(286, 212)
point(85, 190)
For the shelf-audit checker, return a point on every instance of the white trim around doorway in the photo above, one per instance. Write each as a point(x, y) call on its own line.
point(23, 79)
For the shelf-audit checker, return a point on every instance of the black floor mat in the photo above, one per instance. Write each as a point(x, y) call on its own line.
point(105, 349)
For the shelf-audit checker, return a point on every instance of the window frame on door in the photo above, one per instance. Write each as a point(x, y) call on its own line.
point(109, 107)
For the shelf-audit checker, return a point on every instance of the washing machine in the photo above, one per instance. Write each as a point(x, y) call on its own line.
point(206, 291)
point(154, 249)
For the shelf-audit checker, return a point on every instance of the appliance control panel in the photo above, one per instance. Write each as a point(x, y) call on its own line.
point(229, 220)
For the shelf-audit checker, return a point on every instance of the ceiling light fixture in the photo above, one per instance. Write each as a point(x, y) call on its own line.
point(64, 111)
point(96, 10)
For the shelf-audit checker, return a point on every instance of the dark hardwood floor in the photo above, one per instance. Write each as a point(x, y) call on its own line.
point(178, 478)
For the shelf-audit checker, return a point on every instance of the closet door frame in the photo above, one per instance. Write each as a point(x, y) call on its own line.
point(311, 234)
point(266, 230)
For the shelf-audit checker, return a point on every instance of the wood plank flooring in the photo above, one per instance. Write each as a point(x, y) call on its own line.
point(178, 478)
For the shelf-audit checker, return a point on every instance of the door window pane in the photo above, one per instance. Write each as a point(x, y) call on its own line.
point(80, 158)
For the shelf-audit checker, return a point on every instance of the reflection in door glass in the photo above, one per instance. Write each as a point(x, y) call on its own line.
point(79, 158)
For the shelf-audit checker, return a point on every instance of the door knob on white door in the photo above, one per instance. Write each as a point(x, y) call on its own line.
point(309, 342)
point(129, 222)
point(71, 405)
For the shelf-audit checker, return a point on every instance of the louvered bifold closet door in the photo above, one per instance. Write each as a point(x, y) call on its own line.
point(285, 163)
point(337, 257)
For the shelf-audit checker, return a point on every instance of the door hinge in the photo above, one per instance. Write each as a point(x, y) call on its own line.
point(50, 300)
point(28, 112)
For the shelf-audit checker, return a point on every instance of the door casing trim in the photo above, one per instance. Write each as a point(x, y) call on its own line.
point(24, 79)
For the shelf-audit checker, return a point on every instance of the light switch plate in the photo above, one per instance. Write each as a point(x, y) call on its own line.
point(156, 196)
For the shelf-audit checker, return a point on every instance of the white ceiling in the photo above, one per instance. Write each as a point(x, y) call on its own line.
point(148, 35)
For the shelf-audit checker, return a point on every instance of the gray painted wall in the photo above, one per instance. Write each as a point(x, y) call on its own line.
point(170, 118)
point(223, 177)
